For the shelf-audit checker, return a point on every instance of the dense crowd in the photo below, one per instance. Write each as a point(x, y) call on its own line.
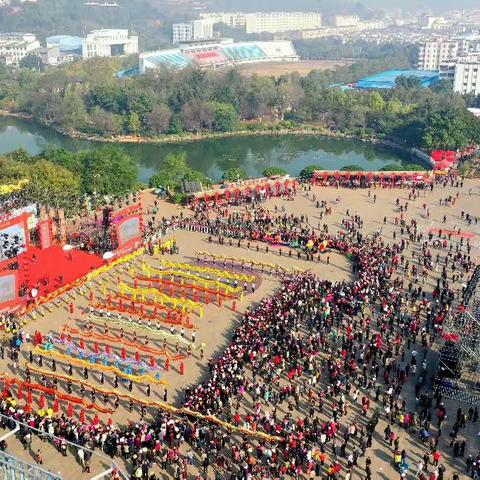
point(307, 365)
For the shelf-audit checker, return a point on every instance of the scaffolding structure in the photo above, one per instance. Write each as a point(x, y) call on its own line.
point(458, 373)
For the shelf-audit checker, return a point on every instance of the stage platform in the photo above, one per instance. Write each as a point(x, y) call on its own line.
point(51, 268)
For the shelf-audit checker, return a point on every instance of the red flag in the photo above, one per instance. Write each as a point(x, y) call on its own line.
point(137, 356)
point(82, 416)
point(167, 364)
point(56, 407)
point(124, 353)
point(20, 393)
point(70, 410)
point(182, 368)
point(82, 344)
point(29, 397)
point(95, 419)
point(152, 361)
point(41, 401)
point(95, 347)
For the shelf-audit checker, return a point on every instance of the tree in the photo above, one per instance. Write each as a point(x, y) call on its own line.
point(225, 117)
point(413, 167)
point(408, 82)
point(59, 156)
point(158, 120)
point(21, 155)
point(274, 171)
point(110, 98)
point(289, 94)
point(174, 170)
point(53, 185)
point(106, 123)
point(446, 127)
point(108, 170)
point(176, 126)
point(33, 62)
point(196, 115)
point(197, 176)
point(134, 124)
point(391, 167)
point(306, 173)
point(352, 168)
point(234, 174)
point(71, 113)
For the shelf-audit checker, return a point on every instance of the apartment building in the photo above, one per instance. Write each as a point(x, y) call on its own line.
point(432, 22)
point(434, 53)
point(194, 30)
point(16, 46)
point(109, 43)
point(275, 22)
point(467, 75)
point(232, 19)
point(345, 21)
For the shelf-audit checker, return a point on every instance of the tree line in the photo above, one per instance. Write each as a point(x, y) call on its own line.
point(86, 97)
point(63, 179)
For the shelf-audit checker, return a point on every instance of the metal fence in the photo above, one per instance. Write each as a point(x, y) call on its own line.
point(13, 468)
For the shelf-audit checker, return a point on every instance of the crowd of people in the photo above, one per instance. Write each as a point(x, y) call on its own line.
point(314, 366)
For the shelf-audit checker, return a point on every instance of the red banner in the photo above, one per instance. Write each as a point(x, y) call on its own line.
point(45, 233)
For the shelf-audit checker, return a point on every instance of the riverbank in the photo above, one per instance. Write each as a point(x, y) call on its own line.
point(263, 130)
point(268, 130)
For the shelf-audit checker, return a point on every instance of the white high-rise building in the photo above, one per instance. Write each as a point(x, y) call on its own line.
point(109, 43)
point(432, 22)
point(232, 19)
point(275, 22)
point(16, 46)
point(181, 32)
point(195, 30)
point(467, 75)
point(345, 21)
point(433, 54)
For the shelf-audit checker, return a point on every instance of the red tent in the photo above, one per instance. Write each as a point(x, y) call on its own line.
point(442, 164)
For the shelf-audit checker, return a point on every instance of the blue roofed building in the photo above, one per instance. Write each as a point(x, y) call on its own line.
point(387, 79)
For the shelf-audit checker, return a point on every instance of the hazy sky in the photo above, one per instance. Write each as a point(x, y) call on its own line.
point(253, 5)
point(434, 4)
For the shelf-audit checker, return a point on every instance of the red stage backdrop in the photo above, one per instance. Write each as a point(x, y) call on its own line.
point(45, 233)
point(127, 227)
point(8, 288)
point(129, 231)
point(16, 226)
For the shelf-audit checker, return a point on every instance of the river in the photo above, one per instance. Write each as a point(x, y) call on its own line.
point(291, 152)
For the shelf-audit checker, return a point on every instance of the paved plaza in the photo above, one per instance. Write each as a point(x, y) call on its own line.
point(203, 336)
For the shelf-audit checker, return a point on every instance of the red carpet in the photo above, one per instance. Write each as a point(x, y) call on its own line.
point(49, 269)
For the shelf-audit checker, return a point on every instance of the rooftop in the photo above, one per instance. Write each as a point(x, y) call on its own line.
point(387, 79)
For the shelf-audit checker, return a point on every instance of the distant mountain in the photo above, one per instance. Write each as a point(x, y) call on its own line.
point(76, 17)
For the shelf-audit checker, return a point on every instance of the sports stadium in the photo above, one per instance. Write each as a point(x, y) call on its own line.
point(215, 54)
